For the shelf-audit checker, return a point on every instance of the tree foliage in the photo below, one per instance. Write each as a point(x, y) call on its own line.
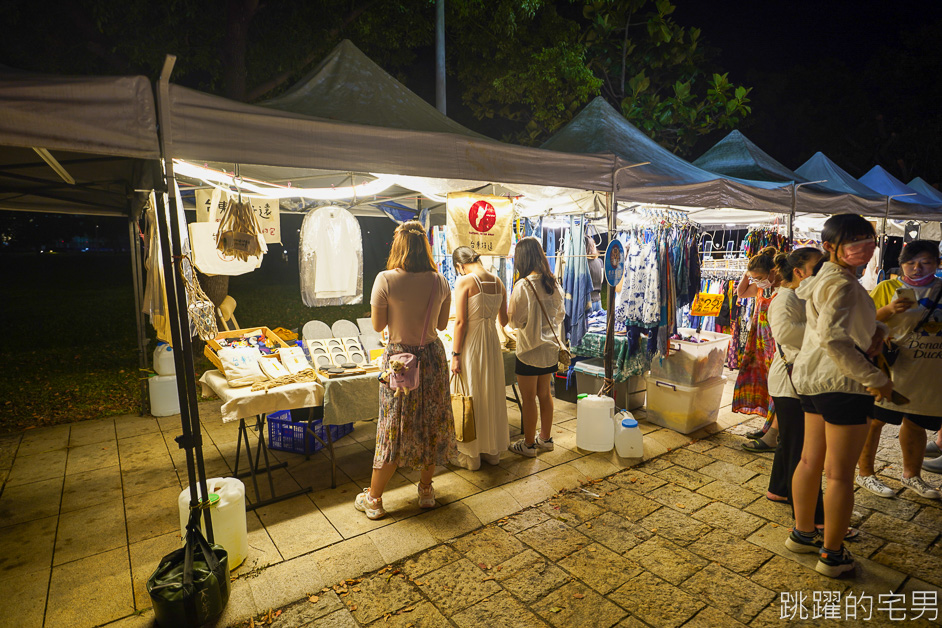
point(522, 67)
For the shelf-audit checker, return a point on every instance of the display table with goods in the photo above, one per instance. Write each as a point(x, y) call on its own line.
point(259, 374)
point(630, 358)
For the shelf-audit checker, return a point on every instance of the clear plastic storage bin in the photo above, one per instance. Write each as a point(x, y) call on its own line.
point(692, 362)
point(629, 394)
point(682, 408)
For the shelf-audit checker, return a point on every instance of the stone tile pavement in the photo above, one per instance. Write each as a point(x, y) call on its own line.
point(682, 537)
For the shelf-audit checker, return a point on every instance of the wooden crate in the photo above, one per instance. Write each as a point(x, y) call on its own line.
point(212, 346)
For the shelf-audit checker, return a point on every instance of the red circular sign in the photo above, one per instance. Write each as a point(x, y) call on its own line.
point(482, 216)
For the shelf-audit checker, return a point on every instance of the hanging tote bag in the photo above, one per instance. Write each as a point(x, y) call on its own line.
point(190, 586)
point(463, 409)
point(404, 367)
point(563, 357)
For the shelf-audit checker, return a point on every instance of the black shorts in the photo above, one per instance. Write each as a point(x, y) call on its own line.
point(895, 417)
point(839, 408)
point(522, 368)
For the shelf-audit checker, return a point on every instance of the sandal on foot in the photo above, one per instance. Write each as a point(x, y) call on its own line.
point(778, 499)
point(757, 446)
point(755, 435)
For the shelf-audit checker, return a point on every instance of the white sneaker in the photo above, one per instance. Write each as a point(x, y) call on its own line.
point(545, 445)
point(372, 507)
point(427, 496)
point(521, 447)
point(875, 486)
point(919, 485)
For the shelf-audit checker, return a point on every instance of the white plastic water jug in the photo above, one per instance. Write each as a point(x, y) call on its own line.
point(164, 399)
point(227, 498)
point(628, 440)
point(595, 428)
point(163, 359)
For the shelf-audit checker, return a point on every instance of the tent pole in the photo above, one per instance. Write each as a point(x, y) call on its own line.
point(191, 440)
point(137, 279)
point(791, 216)
point(440, 94)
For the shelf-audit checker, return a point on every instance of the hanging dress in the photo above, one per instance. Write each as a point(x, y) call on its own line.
point(751, 394)
point(482, 367)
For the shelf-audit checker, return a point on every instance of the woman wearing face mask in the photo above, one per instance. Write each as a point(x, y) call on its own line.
point(787, 322)
point(480, 300)
point(836, 384)
point(751, 394)
point(916, 327)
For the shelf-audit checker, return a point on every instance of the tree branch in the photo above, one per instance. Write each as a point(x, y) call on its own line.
point(277, 81)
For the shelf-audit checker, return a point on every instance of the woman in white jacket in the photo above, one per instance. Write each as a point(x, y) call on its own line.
point(837, 384)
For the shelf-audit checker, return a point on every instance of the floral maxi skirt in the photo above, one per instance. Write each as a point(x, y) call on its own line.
point(417, 430)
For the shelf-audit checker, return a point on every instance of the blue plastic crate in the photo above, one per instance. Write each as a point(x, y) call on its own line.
point(285, 435)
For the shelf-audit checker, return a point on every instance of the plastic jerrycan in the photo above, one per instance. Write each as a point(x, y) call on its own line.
point(227, 503)
point(628, 439)
point(163, 359)
point(595, 427)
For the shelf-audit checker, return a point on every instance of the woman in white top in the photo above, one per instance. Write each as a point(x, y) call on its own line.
point(536, 310)
point(480, 302)
point(836, 384)
point(916, 326)
point(787, 320)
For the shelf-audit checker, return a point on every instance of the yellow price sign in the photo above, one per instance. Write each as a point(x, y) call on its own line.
point(707, 304)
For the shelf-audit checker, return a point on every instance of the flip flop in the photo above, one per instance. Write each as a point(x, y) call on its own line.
point(757, 446)
point(757, 434)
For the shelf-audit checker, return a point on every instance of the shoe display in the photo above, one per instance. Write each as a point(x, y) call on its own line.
point(427, 496)
point(521, 447)
point(923, 489)
point(803, 544)
point(934, 465)
point(875, 486)
point(833, 564)
point(545, 445)
point(372, 507)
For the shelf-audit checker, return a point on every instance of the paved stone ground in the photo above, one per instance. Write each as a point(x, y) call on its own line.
point(686, 539)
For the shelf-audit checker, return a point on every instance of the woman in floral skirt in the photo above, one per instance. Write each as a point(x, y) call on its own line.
point(417, 429)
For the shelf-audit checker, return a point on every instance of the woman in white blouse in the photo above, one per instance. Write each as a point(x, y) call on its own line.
point(536, 310)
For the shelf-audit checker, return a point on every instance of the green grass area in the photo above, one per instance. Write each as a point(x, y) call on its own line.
point(69, 344)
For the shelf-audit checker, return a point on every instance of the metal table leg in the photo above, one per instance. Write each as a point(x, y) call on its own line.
point(254, 469)
point(516, 397)
point(328, 446)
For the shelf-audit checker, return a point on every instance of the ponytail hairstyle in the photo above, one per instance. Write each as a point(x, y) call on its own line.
point(786, 263)
point(763, 261)
point(530, 258)
point(464, 255)
point(410, 249)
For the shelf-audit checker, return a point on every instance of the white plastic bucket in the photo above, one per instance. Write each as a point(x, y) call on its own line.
point(628, 440)
point(163, 360)
point(164, 399)
point(595, 427)
point(227, 513)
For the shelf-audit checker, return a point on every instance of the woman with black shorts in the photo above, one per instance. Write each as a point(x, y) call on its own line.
point(536, 310)
point(910, 306)
point(836, 384)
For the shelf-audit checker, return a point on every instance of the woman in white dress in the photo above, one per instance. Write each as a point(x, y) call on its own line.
point(480, 300)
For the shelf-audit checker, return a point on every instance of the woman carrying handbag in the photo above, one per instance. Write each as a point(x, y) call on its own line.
point(536, 310)
point(476, 363)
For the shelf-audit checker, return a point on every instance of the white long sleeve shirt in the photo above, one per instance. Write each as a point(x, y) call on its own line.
point(787, 321)
point(841, 317)
point(536, 342)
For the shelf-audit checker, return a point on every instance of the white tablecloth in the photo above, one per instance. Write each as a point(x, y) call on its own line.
point(242, 402)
